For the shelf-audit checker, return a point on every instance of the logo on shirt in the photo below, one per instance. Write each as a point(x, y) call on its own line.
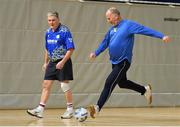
point(115, 29)
point(70, 39)
point(51, 41)
point(57, 36)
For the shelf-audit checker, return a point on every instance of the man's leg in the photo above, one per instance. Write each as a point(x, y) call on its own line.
point(38, 111)
point(68, 95)
point(46, 90)
point(117, 73)
point(127, 84)
point(144, 90)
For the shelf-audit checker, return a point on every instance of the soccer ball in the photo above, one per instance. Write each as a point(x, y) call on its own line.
point(81, 114)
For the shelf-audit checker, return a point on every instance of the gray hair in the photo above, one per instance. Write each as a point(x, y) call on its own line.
point(114, 10)
point(53, 14)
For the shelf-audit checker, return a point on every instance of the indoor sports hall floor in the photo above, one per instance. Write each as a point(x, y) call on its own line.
point(153, 116)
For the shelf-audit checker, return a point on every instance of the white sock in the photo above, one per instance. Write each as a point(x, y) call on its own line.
point(41, 106)
point(96, 108)
point(69, 106)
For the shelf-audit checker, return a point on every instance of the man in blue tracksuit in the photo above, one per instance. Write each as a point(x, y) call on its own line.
point(120, 41)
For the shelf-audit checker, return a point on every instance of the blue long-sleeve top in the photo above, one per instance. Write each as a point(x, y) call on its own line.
point(120, 40)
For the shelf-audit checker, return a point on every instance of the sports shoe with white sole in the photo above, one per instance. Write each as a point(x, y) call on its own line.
point(93, 109)
point(68, 114)
point(36, 112)
point(148, 93)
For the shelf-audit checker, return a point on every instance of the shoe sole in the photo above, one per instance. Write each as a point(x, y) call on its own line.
point(150, 99)
point(92, 111)
point(33, 114)
point(66, 117)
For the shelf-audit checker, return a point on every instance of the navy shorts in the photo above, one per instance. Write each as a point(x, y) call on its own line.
point(66, 73)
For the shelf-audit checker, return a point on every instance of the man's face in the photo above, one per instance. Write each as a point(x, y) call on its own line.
point(111, 18)
point(53, 22)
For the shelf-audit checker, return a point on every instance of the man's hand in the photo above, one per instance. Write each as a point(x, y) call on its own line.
point(166, 39)
point(44, 66)
point(60, 65)
point(92, 56)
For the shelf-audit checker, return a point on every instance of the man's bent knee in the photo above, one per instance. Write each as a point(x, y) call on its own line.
point(65, 87)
